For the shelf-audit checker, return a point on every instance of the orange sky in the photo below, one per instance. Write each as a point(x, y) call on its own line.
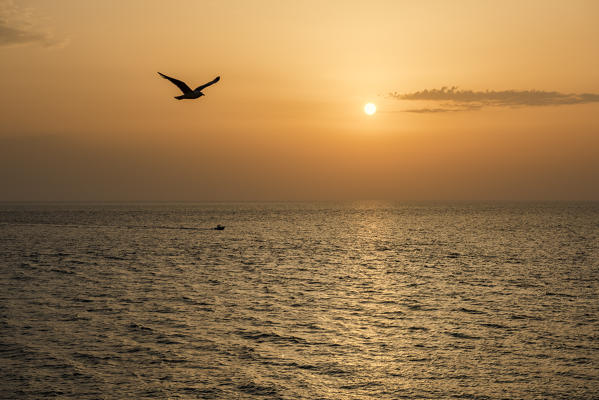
point(84, 116)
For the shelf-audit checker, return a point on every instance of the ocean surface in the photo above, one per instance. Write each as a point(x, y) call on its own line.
point(362, 300)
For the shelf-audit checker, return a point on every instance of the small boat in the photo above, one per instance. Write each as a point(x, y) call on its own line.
point(219, 227)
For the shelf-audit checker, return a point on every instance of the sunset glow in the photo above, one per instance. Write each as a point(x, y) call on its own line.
point(369, 108)
point(85, 115)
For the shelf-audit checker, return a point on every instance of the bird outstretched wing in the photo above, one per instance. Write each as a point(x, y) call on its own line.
point(212, 82)
point(180, 84)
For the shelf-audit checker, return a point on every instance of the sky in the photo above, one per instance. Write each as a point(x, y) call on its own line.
point(476, 100)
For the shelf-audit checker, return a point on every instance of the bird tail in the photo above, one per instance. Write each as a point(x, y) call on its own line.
point(179, 97)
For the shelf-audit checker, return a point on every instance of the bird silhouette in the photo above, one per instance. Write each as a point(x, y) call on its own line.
point(187, 92)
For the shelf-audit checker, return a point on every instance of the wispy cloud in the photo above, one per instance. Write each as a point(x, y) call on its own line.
point(445, 109)
point(20, 26)
point(452, 99)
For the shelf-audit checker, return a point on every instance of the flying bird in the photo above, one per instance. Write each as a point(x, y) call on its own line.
point(187, 92)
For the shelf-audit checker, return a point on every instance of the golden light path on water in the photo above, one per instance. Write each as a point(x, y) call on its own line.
point(360, 300)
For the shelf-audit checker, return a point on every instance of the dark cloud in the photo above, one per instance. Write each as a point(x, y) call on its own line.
point(453, 99)
point(13, 36)
point(444, 109)
point(18, 27)
point(431, 110)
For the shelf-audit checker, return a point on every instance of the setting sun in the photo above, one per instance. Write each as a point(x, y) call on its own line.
point(369, 108)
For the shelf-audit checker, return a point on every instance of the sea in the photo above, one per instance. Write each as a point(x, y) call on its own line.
point(349, 300)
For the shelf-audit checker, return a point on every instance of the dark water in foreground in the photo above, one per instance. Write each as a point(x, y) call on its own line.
point(299, 301)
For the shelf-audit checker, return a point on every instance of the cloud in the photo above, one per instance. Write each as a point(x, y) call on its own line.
point(453, 99)
point(19, 26)
point(14, 36)
point(442, 110)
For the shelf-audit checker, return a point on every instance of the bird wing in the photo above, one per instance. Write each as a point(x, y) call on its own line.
point(180, 84)
point(212, 82)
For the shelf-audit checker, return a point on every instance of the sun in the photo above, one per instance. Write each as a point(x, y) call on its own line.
point(369, 108)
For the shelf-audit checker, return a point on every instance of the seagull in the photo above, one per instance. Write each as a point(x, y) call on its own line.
point(187, 92)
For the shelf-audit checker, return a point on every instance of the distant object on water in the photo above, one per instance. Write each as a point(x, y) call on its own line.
point(187, 92)
point(219, 227)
